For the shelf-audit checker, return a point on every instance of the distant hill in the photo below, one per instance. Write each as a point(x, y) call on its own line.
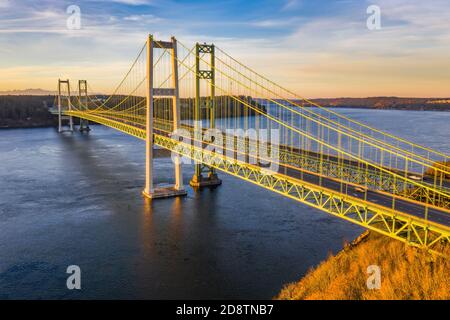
point(24, 111)
point(29, 108)
point(28, 92)
point(387, 103)
point(383, 103)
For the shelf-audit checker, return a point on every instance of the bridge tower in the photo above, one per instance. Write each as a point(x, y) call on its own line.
point(209, 105)
point(178, 188)
point(83, 101)
point(60, 116)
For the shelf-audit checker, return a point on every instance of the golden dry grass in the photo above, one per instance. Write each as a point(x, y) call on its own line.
point(407, 273)
point(439, 164)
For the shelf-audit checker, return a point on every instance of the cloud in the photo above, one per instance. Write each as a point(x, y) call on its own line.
point(320, 55)
point(4, 3)
point(19, 76)
point(275, 23)
point(291, 4)
point(132, 2)
point(148, 18)
point(406, 57)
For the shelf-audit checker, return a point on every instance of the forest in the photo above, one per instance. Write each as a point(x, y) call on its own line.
point(387, 103)
point(25, 111)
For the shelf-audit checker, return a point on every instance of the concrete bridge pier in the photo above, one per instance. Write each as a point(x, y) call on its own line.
point(199, 181)
point(84, 126)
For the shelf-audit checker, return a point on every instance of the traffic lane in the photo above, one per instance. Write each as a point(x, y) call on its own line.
point(375, 197)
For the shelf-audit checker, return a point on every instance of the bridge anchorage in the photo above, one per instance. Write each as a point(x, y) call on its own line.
point(205, 106)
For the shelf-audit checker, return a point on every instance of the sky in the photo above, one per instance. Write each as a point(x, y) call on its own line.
point(317, 48)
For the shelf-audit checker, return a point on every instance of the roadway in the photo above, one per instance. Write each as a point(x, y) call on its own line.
point(401, 205)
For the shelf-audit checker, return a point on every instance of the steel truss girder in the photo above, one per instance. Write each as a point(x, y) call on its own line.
point(369, 178)
point(372, 179)
point(409, 229)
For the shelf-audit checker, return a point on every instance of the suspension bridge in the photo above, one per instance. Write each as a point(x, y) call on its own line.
point(206, 106)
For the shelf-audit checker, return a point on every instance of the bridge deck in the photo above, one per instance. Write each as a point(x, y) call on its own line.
point(373, 209)
point(401, 205)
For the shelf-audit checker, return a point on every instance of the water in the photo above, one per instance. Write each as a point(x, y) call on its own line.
point(76, 200)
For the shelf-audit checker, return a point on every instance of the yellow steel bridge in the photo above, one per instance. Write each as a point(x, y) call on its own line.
point(204, 105)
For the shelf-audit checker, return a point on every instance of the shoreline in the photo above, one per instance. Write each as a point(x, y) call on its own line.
point(385, 109)
point(47, 125)
point(27, 127)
